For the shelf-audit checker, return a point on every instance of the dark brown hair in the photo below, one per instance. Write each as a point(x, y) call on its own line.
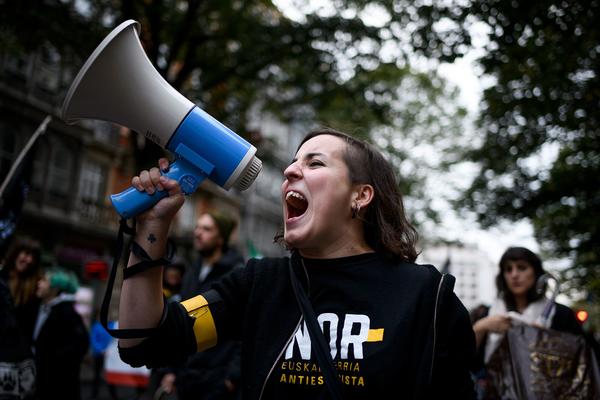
point(22, 286)
point(513, 254)
point(225, 225)
point(386, 228)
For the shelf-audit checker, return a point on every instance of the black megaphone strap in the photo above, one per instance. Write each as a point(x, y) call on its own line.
point(144, 265)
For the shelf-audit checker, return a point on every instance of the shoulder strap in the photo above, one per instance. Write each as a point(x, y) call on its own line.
point(317, 339)
point(446, 283)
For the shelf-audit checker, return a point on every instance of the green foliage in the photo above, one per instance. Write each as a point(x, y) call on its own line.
point(27, 25)
point(230, 56)
point(540, 147)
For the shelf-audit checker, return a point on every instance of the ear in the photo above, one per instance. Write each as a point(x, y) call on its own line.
point(363, 195)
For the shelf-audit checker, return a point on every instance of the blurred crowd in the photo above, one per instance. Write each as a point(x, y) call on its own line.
point(49, 351)
point(51, 348)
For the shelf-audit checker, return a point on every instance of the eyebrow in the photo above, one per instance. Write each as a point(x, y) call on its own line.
point(308, 156)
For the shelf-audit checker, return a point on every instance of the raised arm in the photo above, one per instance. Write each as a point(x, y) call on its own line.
point(141, 304)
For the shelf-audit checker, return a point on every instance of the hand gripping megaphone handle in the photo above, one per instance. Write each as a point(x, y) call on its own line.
point(189, 170)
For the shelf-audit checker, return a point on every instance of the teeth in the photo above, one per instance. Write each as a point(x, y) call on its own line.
point(297, 195)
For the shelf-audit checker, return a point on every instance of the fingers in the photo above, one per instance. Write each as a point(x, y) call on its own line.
point(170, 185)
point(148, 181)
point(163, 164)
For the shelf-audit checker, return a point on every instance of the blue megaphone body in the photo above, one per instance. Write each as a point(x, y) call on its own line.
point(118, 83)
point(221, 156)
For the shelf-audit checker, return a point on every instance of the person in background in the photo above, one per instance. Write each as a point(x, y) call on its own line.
point(479, 312)
point(215, 257)
point(215, 373)
point(100, 339)
point(394, 329)
point(479, 373)
point(172, 281)
point(60, 338)
point(519, 271)
point(17, 368)
point(21, 272)
point(518, 301)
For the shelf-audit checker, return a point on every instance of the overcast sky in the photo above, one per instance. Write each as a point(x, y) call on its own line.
point(462, 74)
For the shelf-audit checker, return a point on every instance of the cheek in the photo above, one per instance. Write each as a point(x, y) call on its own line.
point(334, 197)
point(531, 279)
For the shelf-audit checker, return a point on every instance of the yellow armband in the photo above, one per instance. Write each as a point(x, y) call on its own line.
point(204, 325)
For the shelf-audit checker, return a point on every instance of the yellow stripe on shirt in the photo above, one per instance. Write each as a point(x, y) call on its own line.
point(375, 335)
point(204, 325)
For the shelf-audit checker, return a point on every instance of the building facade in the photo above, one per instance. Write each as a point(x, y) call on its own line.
point(474, 271)
point(75, 168)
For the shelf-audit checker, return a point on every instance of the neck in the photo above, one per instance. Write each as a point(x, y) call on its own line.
point(212, 258)
point(345, 240)
point(48, 299)
point(521, 303)
point(341, 248)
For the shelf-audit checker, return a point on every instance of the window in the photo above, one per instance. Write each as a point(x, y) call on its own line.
point(60, 170)
point(39, 165)
point(46, 73)
point(92, 182)
point(105, 132)
point(18, 67)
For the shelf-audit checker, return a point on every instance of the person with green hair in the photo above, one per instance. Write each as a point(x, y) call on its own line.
point(60, 338)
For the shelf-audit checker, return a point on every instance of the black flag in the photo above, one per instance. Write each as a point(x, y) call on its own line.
point(14, 189)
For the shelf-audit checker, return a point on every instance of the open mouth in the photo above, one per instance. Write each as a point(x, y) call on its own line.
point(296, 204)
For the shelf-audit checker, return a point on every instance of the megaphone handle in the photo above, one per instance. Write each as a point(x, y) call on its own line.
point(132, 202)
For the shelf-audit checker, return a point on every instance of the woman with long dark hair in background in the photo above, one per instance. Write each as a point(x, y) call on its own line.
point(519, 271)
point(21, 272)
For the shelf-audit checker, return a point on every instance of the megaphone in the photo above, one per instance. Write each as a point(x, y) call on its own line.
point(119, 84)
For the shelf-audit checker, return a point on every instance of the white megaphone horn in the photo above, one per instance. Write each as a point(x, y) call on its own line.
point(119, 84)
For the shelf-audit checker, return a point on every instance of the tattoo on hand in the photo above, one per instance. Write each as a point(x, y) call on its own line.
point(151, 238)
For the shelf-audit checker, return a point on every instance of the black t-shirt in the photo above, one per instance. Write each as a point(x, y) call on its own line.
point(377, 315)
point(370, 332)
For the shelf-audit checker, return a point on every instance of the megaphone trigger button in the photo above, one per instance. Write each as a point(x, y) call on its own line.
point(188, 183)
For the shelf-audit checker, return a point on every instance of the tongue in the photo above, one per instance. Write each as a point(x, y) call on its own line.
point(296, 206)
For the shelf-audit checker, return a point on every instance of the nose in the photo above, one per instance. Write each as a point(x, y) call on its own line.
point(292, 172)
point(513, 273)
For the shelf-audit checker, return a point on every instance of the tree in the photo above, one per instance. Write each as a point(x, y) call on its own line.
point(539, 154)
point(227, 56)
